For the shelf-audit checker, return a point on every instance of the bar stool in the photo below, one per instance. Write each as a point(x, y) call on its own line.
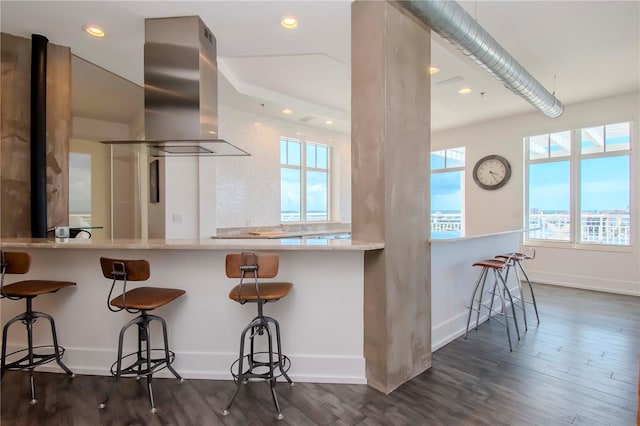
point(139, 300)
point(261, 366)
point(516, 262)
point(19, 263)
point(499, 289)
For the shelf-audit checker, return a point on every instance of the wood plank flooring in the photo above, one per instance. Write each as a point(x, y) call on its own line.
point(578, 367)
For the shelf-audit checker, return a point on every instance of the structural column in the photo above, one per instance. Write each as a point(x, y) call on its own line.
point(390, 130)
point(15, 122)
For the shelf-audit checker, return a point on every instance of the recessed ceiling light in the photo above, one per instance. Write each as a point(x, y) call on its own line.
point(433, 70)
point(298, 133)
point(465, 91)
point(289, 22)
point(211, 132)
point(286, 111)
point(94, 30)
point(257, 124)
point(328, 122)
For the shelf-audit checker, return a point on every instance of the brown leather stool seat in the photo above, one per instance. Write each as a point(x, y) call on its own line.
point(20, 263)
point(269, 292)
point(146, 298)
point(139, 300)
point(269, 365)
point(515, 261)
point(499, 290)
point(32, 288)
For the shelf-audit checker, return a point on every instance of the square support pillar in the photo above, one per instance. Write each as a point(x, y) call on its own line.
point(390, 130)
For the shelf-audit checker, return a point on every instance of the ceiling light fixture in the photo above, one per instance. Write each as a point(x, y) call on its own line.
point(465, 91)
point(329, 122)
point(289, 22)
point(286, 111)
point(94, 30)
point(433, 70)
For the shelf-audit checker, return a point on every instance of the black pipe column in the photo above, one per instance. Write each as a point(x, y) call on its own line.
point(38, 136)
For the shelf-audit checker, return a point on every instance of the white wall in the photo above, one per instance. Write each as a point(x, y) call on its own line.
point(100, 184)
point(500, 210)
point(123, 190)
point(249, 187)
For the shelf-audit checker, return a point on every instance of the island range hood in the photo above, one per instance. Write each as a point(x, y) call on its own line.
point(180, 91)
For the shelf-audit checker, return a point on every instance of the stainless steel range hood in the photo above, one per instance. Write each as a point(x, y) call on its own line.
point(181, 91)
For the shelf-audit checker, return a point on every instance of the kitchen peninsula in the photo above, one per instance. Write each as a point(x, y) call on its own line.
point(453, 277)
point(204, 325)
point(321, 320)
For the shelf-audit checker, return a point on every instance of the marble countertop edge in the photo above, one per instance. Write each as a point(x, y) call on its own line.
point(192, 244)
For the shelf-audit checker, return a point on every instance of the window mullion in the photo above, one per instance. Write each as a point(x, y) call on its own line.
point(525, 175)
point(303, 181)
point(329, 192)
point(576, 213)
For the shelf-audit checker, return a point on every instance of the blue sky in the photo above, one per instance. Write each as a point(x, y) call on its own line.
point(446, 191)
point(604, 185)
point(290, 191)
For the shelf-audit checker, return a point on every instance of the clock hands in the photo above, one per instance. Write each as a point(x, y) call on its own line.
point(491, 172)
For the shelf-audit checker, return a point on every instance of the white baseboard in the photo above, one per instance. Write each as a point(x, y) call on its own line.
point(630, 288)
point(450, 330)
point(216, 366)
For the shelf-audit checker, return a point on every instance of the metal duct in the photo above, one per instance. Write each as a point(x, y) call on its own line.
point(452, 22)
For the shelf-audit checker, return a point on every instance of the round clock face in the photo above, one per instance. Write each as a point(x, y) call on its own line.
point(492, 172)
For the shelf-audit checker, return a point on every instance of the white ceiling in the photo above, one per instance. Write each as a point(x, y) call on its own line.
point(581, 49)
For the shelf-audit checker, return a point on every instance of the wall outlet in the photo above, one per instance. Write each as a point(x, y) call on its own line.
point(177, 218)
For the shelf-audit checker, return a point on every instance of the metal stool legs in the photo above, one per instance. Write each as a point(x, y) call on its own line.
point(32, 360)
point(274, 367)
point(144, 365)
point(499, 289)
point(520, 297)
point(515, 261)
point(533, 296)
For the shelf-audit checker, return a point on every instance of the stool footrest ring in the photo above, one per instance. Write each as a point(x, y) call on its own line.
point(38, 359)
point(258, 370)
point(138, 368)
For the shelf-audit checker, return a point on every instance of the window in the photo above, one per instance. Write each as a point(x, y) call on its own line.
point(304, 181)
point(447, 193)
point(579, 185)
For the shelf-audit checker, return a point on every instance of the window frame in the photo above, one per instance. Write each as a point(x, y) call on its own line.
point(303, 169)
point(575, 158)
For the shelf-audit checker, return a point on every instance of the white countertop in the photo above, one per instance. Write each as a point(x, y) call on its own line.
point(204, 244)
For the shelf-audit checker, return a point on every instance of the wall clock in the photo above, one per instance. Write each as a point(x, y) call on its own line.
point(492, 172)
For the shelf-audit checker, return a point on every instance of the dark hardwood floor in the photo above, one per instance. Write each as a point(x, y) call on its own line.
point(579, 366)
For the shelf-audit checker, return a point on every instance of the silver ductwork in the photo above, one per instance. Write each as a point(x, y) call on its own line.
point(452, 22)
point(181, 90)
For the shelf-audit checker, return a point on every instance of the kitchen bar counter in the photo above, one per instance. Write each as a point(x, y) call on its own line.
point(322, 318)
point(453, 277)
point(204, 244)
point(204, 325)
